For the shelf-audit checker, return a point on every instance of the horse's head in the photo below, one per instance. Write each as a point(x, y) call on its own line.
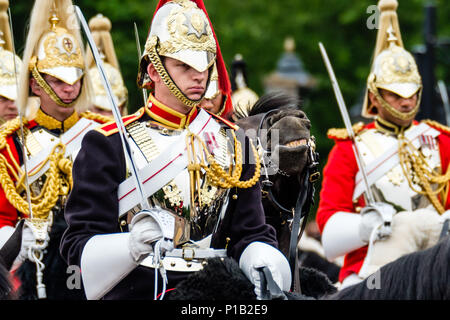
point(283, 131)
point(286, 140)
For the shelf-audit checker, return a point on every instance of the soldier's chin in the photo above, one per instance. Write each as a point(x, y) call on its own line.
point(195, 96)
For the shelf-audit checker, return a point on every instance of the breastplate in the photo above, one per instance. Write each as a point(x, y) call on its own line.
point(394, 187)
point(202, 215)
point(35, 141)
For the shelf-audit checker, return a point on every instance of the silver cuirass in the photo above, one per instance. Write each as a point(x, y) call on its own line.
point(202, 210)
point(388, 179)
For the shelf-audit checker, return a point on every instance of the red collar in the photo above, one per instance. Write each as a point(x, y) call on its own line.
point(167, 116)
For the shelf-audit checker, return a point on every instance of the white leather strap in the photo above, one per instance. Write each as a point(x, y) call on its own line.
point(388, 160)
point(105, 261)
point(161, 170)
point(71, 139)
point(341, 234)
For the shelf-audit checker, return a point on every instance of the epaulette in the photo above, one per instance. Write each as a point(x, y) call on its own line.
point(223, 120)
point(437, 125)
point(110, 128)
point(99, 118)
point(342, 133)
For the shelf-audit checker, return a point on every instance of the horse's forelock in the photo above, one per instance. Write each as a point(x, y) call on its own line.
point(272, 101)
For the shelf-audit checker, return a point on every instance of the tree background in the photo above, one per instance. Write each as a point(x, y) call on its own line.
point(257, 29)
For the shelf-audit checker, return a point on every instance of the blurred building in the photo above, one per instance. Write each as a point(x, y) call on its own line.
point(290, 75)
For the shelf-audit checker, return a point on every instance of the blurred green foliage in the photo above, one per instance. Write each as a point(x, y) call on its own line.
point(257, 30)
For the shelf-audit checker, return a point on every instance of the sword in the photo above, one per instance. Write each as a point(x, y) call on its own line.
point(39, 228)
point(22, 135)
point(343, 109)
point(116, 112)
point(138, 45)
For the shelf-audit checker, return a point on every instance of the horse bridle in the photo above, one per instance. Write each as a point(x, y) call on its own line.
point(304, 201)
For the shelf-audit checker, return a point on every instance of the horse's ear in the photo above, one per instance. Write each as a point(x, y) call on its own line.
point(11, 248)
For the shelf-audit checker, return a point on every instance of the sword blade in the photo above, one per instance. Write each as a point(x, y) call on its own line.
point(347, 122)
point(116, 112)
point(19, 110)
point(138, 45)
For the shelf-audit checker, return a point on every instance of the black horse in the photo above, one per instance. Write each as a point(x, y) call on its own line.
point(290, 165)
point(422, 275)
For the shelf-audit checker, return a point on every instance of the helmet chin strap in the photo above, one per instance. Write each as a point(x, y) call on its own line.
point(155, 59)
point(394, 112)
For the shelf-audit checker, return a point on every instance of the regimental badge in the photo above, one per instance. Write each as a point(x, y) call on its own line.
point(173, 194)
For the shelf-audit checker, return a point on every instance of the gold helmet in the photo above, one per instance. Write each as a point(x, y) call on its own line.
point(179, 30)
point(243, 97)
point(53, 47)
point(393, 69)
point(100, 27)
point(10, 64)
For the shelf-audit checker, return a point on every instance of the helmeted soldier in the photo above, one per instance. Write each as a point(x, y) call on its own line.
point(406, 163)
point(204, 195)
point(243, 97)
point(41, 179)
point(100, 27)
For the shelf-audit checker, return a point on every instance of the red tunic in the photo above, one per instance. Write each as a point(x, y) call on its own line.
point(9, 214)
point(339, 182)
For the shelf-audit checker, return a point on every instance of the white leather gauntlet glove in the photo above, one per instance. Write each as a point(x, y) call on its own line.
point(144, 231)
point(258, 255)
point(378, 216)
point(28, 242)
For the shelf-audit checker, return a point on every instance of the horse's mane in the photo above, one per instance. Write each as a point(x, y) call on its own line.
point(417, 276)
point(274, 100)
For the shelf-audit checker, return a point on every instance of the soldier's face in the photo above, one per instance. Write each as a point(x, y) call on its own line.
point(212, 105)
point(190, 81)
point(66, 92)
point(399, 103)
point(8, 109)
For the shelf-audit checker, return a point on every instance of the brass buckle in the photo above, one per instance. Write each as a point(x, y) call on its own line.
point(184, 256)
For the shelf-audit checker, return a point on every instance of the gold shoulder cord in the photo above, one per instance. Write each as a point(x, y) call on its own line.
point(214, 172)
point(96, 117)
point(412, 161)
point(58, 183)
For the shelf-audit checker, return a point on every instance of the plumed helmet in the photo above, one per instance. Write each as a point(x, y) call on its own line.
point(393, 69)
point(179, 30)
point(243, 97)
point(10, 64)
point(54, 47)
point(100, 27)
